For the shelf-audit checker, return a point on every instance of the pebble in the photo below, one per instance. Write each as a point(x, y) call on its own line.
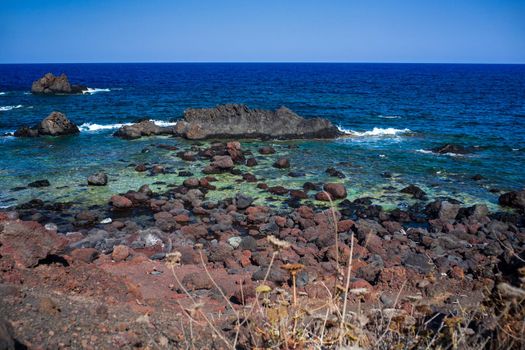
point(234, 241)
point(51, 227)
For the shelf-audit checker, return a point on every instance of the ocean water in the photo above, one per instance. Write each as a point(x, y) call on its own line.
point(396, 113)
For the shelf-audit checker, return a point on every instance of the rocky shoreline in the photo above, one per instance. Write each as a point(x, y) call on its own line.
point(129, 273)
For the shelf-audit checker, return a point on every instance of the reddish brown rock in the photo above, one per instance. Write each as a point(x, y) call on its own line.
point(282, 163)
point(345, 225)
point(234, 150)
point(120, 253)
point(222, 162)
point(182, 218)
point(251, 162)
point(140, 168)
point(121, 202)
point(337, 191)
point(322, 196)
point(196, 231)
point(191, 183)
point(87, 255)
point(267, 150)
point(28, 242)
point(278, 190)
point(298, 194)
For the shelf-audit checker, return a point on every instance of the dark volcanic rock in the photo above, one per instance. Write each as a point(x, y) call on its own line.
point(39, 183)
point(239, 121)
point(415, 191)
point(335, 173)
point(243, 201)
point(7, 336)
point(514, 199)
point(26, 131)
point(267, 150)
point(251, 162)
point(50, 85)
point(55, 124)
point(450, 148)
point(143, 128)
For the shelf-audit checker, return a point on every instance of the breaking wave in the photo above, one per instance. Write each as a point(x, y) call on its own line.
point(8, 108)
point(426, 151)
point(375, 132)
point(92, 127)
point(92, 91)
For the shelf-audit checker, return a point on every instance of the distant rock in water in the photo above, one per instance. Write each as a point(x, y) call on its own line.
point(143, 128)
point(50, 84)
point(451, 148)
point(239, 121)
point(55, 124)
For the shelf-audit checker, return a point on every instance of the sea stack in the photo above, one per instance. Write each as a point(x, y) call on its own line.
point(55, 124)
point(50, 84)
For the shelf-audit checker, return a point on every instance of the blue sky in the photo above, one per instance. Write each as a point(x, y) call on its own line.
point(466, 31)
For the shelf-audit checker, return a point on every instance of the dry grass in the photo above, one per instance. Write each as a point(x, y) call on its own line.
point(278, 319)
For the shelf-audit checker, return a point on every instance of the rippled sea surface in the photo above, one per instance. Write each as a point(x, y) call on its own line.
point(396, 112)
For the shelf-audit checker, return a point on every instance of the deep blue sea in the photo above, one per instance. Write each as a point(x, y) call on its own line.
point(396, 112)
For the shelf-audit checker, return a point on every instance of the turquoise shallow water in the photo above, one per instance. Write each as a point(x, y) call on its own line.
point(397, 113)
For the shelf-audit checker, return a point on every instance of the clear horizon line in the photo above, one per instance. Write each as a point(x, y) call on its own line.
point(267, 62)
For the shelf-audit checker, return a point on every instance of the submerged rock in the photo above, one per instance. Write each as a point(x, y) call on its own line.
point(50, 84)
point(233, 120)
point(39, 183)
point(98, 179)
point(282, 163)
point(450, 148)
point(415, 191)
point(55, 124)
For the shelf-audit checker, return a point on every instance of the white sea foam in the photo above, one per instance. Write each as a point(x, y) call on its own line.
point(164, 123)
point(8, 108)
point(426, 151)
point(92, 91)
point(376, 132)
point(92, 127)
point(389, 116)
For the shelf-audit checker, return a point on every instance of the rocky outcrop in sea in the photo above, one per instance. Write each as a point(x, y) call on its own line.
point(55, 124)
point(143, 128)
point(239, 121)
point(50, 84)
